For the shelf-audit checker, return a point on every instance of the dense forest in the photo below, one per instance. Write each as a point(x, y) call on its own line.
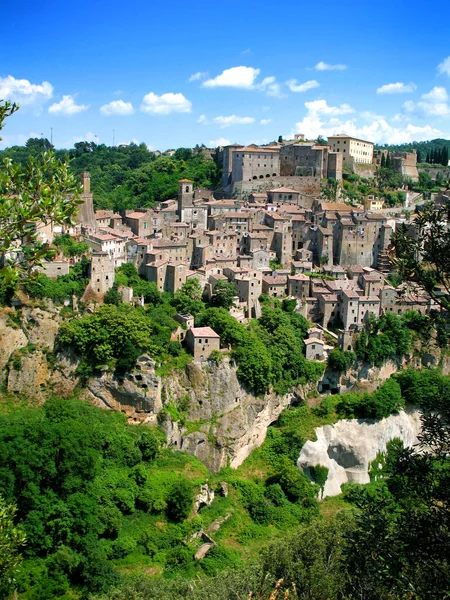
point(127, 176)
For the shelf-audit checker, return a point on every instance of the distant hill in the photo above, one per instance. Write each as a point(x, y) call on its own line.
point(423, 149)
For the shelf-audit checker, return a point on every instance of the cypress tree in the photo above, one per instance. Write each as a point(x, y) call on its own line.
point(445, 156)
point(383, 161)
point(418, 155)
point(388, 161)
point(427, 160)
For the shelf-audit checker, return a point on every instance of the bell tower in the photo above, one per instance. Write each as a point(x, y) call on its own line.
point(185, 195)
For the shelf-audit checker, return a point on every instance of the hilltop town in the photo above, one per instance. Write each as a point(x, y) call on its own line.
point(270, 229)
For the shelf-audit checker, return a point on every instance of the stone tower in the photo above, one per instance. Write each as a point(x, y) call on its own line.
point(86, 182)
point(86, 215)
point(102, 272)
point(185, 195)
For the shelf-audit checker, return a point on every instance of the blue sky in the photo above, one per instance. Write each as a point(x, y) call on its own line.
point(174, 74)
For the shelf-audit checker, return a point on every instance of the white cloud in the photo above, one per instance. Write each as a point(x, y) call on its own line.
point(67, 107)
point(444, 66)
point(238, 77)
point(23, 91)
point(233, 120)
point(245, 78)
point(18, 139)
point(219, 142)
point(437, 94)
point(270, 87)
point(198, 75)
point(88, 137)
point(265, 121)
point(433, 104)
point(321, 107)
point(322, 66)
point(132, 141)
point(396, 88)
point(117, 107)
point(378, 130)
point(203, 119)
point(302, 87)
point(165, 104)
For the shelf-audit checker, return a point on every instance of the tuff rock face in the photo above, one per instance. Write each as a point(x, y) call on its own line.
point(349, 446)
point(223, 422)
point(218, 420)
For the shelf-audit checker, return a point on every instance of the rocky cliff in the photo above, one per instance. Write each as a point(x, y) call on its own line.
point(348, 447)
point(203, 409)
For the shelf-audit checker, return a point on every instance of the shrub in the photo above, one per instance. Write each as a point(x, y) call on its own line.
point(341, 361)
point(179, 500)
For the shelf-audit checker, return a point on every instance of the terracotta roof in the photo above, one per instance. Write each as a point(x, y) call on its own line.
point(185, 181)
point(204, 332)
point(283, 189)
point(335, 206)
point(348, 137)
point(274, 280)
point(258, 149)
point(298, 277)
point(313, 341)
point(135, 215)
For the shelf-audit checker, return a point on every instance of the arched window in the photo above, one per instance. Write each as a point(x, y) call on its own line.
point(268, 175)
point(274, 174)
point(254, 177)
point(261, 176)
point(187, 188)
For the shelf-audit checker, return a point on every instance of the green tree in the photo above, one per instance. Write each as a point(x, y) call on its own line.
point(330, 190)
point(340, 360)
point(223, 294)
point(401, 545)
point(423, 254)
point(188, 299)
point(112, 296)
point(42, 191)
point(179, 501)
point(12, 539)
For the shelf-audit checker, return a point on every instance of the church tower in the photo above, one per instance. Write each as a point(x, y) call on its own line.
point(185, 195)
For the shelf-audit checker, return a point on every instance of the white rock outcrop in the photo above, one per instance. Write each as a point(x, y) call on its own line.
point(349, 446)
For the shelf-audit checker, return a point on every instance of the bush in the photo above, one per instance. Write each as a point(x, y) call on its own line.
point(341, 361)
point(376, 405)
point(180, 500)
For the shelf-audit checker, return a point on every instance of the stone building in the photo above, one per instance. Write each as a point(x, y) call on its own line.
point(140, 221)
point(314, 348)
point(101, 273)
point(309, 160)
point(283, 195)
point(352, 149)
point(190, 212)
point(254, 162)
point(273, 286)
point(298, 286)
point(405, 163)
point(201, 342)
point(86, 216)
